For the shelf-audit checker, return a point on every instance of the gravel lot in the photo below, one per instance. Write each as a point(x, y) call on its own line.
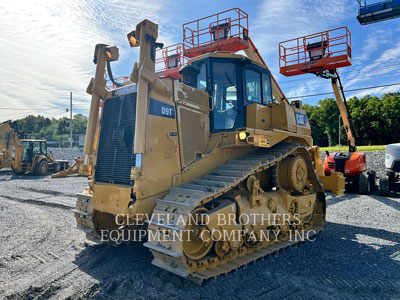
point(43, 255)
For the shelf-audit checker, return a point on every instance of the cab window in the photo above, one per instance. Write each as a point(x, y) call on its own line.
point(267, 91)
point(202, 78)
point(36, 147)
point(224, 95)
point(43, 148)
point(27, 154)
point(253, 86)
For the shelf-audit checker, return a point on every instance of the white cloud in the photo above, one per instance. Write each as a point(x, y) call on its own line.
point(375, 48)
point(384, 64)
point(47, 48)
point(278, 21)
point(47, 45)
point(283, 20)
point(375, 91)
point(374, 41)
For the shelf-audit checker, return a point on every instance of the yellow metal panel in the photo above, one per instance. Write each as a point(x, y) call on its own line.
point(161, 162)
point(283, 117)
point(258, 116)
point(111, 198)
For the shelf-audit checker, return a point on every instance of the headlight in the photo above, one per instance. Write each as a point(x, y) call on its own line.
point(242, 136)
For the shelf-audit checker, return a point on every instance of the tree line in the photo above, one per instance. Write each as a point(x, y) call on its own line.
point(40, 127)
point(376, 120)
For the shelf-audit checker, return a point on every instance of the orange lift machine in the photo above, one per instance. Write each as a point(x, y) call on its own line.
point(322, 54)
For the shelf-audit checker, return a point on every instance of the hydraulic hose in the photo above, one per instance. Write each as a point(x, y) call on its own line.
point(110, 75)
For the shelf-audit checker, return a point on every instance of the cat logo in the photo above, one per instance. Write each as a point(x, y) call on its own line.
point(301, 119)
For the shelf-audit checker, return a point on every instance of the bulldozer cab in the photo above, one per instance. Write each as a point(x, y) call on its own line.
point(233, 84)
point(33, 148)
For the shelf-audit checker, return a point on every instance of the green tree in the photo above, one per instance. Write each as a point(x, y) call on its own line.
point(315, 117)
point(27, 125)
point(79, 124)
point(330, 119)
point(391, 117)
point(376, 120)
point(63, 126)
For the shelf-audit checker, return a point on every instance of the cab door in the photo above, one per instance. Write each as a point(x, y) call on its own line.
point(227, 92)
point(257, 96)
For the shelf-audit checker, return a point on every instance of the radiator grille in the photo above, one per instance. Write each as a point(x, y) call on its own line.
point(115, 152)
point(331, 165)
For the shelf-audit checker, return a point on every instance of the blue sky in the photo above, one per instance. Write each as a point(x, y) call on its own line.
point(47, 45)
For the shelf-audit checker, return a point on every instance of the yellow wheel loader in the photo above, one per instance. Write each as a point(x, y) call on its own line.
point(209, 164)
point(26, 155)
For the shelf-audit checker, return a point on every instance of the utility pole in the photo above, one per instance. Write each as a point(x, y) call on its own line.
point(70, 119)
point(339, 130)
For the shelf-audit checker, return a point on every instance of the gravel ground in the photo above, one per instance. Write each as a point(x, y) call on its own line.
point(43, 255)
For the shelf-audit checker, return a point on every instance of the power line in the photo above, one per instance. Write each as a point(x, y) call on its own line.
point(14, 108)
point(6, 108)
point(347, 73)
point(14, 117)
point(24, 115)
point(351, 90)
point(63, 112)
point(361, 77)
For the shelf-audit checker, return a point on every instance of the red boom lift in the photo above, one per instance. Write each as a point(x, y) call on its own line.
point(223, 31)
point(321, 54)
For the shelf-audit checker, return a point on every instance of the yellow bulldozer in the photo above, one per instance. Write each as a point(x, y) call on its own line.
point(26, 155)
point(207, 149)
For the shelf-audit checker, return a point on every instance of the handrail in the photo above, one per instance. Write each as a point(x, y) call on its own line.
point(169, 60)
point(330, 44)
point(200, 32)
point(110, 85)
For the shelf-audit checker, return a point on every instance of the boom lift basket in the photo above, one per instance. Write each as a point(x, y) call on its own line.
point(315, 53)
point(169, 60)
point(224, 31)
point(121, 80)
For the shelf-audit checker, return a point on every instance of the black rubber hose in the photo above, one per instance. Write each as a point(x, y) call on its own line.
point(110, 75)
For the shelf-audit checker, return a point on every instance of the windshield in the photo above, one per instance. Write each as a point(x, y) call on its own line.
point(36, 147)
point(43, 148)
point(224, 95)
